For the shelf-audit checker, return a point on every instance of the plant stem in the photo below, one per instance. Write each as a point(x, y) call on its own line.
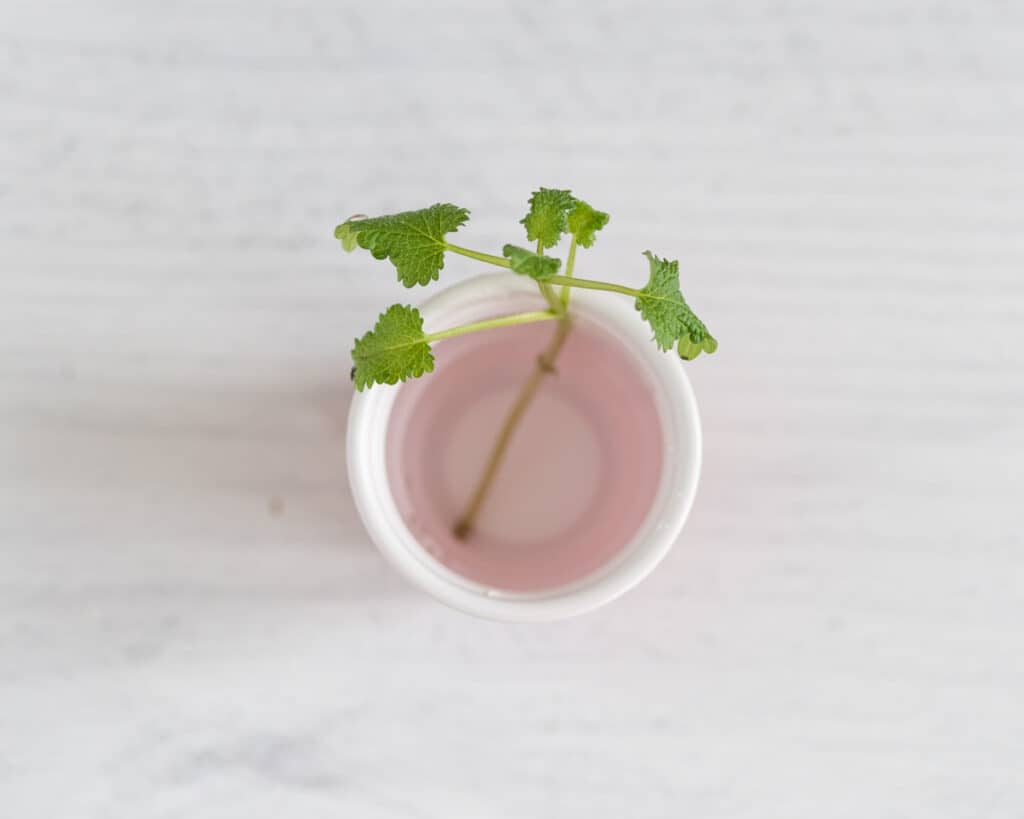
point(549, 294)
point(476, 254)
point(590, 284)
point(569, 265)
point(545, 365)
point(490, 324)
point(546, 290)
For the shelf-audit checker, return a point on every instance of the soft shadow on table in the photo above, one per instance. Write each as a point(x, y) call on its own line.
point(260, 464)
point(150, 516)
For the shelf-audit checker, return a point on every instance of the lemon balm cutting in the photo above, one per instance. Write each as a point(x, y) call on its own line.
point(416, 243)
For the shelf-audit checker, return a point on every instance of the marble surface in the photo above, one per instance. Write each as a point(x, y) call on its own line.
point(192, 623)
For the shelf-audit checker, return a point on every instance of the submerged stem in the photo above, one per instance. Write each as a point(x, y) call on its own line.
point(545, 366)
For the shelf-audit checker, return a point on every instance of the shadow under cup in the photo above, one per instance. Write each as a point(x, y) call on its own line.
point(580, 473)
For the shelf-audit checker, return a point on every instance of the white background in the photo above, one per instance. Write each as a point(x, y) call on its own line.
point(192, 623)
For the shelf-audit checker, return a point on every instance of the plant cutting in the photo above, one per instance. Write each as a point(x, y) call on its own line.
point(586, 343)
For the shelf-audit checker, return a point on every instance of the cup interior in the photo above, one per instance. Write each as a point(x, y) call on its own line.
point(371, 427)
point(576, 479)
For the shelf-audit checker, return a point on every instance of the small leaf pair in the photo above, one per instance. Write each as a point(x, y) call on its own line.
point(555, 212)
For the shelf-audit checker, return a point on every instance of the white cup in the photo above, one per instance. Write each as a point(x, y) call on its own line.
point(484, 297)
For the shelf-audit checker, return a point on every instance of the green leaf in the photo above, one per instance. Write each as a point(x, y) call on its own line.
point(689, 349)
point(663, 307)
point(394, 350)
point(546, 221)
point(531, 264)
point(584, 222)
point(346, 233)
point(413, 240)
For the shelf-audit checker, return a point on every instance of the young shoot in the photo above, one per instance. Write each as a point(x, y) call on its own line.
point(416, 243)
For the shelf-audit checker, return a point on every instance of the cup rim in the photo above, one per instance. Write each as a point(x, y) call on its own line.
point(368, 423)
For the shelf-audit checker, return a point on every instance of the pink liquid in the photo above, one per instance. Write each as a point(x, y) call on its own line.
point(580, 472)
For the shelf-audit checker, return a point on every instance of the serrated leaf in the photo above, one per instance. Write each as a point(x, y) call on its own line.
point(546, 220)
point(663, 307)
point(394, 350)
point(531, 264)
point(412, 240)
point(583, 222)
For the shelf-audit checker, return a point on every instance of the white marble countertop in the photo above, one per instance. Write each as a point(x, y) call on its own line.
point(192, 623)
